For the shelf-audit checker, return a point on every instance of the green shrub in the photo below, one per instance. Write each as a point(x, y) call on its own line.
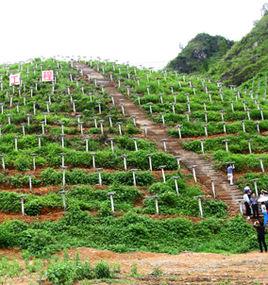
point(102, 270)
point(214, 208)
point(9, 233)
point(105, 209)
point(61, 273)
point(83, 270)
point(10, 202)
point(38, 242)
point(9, 268)
point(160, 187)
point(33, 208)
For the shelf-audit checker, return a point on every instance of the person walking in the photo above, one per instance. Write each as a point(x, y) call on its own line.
point(230, 173)
point(247, 204)
point(260, 229)
point(254, 206)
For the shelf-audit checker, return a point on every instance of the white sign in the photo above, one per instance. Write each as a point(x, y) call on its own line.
point(14, 79)
point(47, 75)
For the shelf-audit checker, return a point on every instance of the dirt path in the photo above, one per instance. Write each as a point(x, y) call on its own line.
point(204, 169)
point(189, 267)
point(185, 268)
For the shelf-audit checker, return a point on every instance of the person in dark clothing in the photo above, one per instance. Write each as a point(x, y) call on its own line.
point(258, 225)
point(247, 203)
point(254, 206)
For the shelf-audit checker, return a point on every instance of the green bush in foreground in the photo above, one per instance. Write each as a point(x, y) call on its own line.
point(68, 271)
point(131, 232)
point(61, 273)
point(102, 270)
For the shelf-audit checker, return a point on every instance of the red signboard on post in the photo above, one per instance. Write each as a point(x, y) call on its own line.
point(14, 79)
point(47, 76)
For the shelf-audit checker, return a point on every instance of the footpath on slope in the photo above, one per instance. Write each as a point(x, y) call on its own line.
point(205, 171)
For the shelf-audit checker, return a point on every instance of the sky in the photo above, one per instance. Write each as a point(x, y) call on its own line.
point(141, 32)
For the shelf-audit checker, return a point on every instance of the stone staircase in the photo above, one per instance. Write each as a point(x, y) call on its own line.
point(204, 169)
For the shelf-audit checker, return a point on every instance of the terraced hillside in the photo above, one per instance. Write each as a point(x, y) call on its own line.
point(78, 170)
point(220, 124)
point(56, 139)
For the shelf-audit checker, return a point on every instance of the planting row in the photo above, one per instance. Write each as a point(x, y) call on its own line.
point(55, 155)
point(124, 199)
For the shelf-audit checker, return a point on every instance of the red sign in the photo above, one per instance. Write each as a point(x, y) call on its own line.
point(14, 79)
point(47, 76)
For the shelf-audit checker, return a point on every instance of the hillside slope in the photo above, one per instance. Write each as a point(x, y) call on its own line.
point(200, 53)
point(246, 58)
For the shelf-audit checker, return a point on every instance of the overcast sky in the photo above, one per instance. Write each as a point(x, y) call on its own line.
point(146, 32)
